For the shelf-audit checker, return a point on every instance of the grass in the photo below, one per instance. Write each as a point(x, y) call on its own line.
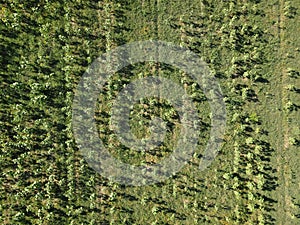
point(249, 45)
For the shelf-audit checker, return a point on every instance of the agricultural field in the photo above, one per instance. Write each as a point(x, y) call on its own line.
point(252, 48)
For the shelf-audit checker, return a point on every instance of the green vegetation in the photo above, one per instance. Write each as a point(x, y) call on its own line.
point(252, 47)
